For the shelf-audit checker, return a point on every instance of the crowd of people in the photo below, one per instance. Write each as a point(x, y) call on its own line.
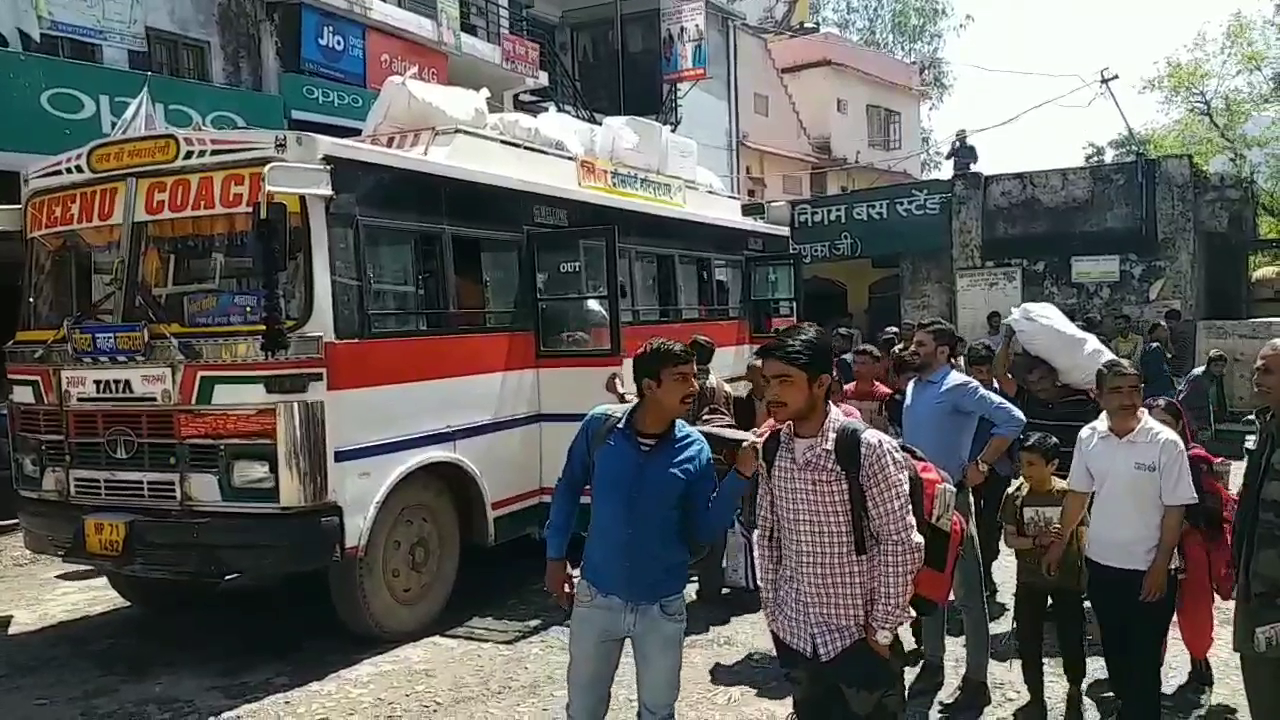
point(1104, 496)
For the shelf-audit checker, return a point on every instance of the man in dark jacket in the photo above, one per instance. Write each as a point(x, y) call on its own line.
point(1255, 543)
point(1203, 396)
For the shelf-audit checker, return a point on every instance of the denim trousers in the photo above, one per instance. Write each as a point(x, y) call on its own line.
point(597, 630)
point(971, 595)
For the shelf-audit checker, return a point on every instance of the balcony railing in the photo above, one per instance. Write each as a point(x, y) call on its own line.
point(484, 19)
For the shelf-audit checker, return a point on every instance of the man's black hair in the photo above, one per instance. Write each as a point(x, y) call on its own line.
point(870, 351)
point(1041, 444)
point(656, 355)
point(1173, 315)
point(704, 349)
point(804, 346)
point(1123, 317)
point(942, 332)
point(887, 342)
point(980, 354)
point(1216, 356)
point(994, 314)
point(1115, 369)
point(1155, 325)
point(902, 361)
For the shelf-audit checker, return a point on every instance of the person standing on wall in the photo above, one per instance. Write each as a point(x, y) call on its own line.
point(940, 416)
point(1255, 544)
point(834, 614)
point(653, 498)
point(1137, 470)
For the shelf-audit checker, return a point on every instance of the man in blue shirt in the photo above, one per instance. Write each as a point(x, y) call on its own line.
point(939, 418)
point(653, 496)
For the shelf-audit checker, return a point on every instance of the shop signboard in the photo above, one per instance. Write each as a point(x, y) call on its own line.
point(118, 23)
point(55, 105)
point(332, 46)
point(314, 99)
point(876, 222)
point(389, 55)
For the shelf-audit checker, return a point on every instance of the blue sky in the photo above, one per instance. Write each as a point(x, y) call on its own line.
point(1082, 37)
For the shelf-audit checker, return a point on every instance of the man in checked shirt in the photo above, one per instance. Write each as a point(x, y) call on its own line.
point(834, 615)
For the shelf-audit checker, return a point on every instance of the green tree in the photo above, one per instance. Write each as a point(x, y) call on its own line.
point(915, 31)
point(1221, 99)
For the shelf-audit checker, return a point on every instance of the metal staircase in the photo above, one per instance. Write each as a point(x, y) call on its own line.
point(562, 91)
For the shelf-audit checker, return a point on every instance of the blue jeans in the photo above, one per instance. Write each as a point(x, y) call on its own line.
point(599, 625)
point(971, 595)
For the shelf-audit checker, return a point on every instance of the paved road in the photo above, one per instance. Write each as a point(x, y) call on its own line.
point(73, 649)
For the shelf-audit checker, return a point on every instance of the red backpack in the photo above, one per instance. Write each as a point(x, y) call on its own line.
point(932, 503)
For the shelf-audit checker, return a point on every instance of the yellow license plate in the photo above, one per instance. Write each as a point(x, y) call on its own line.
point(104, 537)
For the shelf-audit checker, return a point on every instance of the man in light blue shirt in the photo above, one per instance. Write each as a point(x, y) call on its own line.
point(939, 418)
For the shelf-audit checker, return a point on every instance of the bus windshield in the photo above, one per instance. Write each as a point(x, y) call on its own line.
point(206, 272)
point(74, 272)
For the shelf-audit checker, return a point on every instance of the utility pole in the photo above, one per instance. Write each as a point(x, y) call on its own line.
point(1106, 77)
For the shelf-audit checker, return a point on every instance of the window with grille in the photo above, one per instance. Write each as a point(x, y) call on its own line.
point(884, 128)
point(67, 49)
point(173, 55)
point(760, 102)
point(793, 184)
point(817, 183)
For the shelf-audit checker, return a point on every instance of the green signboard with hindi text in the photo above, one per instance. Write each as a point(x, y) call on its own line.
point(876, 222)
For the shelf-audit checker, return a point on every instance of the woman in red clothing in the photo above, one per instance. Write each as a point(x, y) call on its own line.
point(1205, 546)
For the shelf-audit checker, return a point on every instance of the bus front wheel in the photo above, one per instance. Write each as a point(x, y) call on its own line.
point(398, 586)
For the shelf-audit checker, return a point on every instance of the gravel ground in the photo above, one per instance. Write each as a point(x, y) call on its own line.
point(74, 650)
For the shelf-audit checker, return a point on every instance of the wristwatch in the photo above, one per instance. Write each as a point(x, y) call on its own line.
point(883, 637)
point(983, 467)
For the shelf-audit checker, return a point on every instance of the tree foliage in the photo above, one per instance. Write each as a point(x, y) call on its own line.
point(915, 31)
point(1221, 99)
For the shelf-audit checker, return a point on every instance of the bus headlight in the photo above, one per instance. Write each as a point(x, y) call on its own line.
point(252, 474)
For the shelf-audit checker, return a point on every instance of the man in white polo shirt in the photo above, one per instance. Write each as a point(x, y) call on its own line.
point(1136, 468)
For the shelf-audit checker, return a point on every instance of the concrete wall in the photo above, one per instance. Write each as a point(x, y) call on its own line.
point(1164, 224)
point(772, 168)
point(757, 73)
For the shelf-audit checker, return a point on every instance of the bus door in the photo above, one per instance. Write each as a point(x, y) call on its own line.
point(773, 297)
point(577, 336)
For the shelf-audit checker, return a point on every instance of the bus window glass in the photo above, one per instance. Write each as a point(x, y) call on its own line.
point(572, 290)
point(344, 267)
point(727, 288)
point(486, 279)
point(72, 272)
point(773, 281)
point(625, 284)
point(646, 273)
point(405, 282)
point(687, 287)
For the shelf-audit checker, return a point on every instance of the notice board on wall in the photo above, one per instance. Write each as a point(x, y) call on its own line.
point(981, 290)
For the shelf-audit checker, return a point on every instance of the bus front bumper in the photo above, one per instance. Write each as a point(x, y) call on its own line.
point(187, 545)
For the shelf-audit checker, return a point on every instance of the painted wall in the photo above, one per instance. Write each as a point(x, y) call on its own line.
point(705, 110)
point(771, 168)
point(782, 128)
point(816, 91)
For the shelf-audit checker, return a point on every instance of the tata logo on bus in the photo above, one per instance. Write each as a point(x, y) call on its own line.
point(72, 104)
point(208, 193)
point(75, 209)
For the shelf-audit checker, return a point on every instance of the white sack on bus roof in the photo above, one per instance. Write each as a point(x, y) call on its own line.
point(679, 156)
point(708, 179)
point(630, 141)
point(515, 125)
point(578, 137)
point(1046, 333)
point(407, 103)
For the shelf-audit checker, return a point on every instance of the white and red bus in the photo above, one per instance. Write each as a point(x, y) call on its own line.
point(249, 354)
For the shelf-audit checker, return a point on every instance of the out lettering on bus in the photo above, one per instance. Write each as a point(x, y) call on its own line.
point(75, 209)
point(211, 193)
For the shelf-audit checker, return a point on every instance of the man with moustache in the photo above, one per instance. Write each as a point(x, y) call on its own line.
point(941, 414)
point(654, 498)
point(1255, 542)
point(1136, 469)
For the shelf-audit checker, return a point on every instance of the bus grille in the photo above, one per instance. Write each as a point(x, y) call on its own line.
point(149, 457)
point(154, 490)
point(144, 424)
point(35, 420)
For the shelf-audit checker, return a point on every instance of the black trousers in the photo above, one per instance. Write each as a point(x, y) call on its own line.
point(857, 684)
point(1029, 613)
point(1133, 636)
point(987, 498)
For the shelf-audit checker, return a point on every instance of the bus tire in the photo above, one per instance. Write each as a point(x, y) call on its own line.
point(161, 594)
point(398, 586)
